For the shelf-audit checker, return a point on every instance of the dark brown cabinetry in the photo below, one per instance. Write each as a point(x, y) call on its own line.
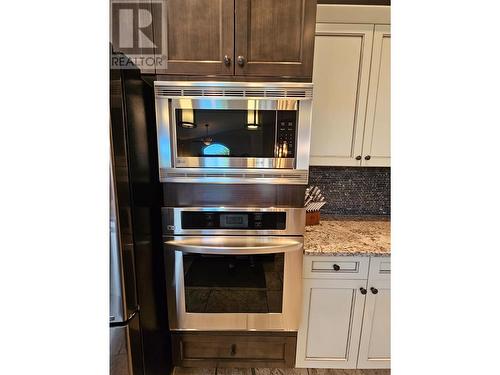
point(195, 37)
point(234, 349)
point(273, 38)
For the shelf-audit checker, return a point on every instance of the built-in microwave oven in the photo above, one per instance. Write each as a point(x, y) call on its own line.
point(233, 132)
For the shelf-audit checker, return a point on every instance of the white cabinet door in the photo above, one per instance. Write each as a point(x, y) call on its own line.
point(331, 322)
point(340, 76)
point(375, 343)
point(377, 138)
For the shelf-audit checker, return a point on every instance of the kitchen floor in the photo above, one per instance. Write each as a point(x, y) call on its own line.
point(273, 371)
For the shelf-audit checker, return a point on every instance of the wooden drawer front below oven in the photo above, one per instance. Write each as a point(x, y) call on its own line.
point(234, 349)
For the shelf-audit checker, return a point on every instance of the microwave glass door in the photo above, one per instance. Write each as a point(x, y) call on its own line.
point(233, 283)
point(235, 133)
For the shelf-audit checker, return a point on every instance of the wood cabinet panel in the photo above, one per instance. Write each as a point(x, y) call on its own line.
point(274, 38)
point(377, 138)
point(375, 343)
point(335, 267)
point(195, 36)
point(331, 323)
point(234, 349)
point(340, 77)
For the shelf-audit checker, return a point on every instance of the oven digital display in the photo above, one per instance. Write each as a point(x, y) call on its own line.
point(234, 220)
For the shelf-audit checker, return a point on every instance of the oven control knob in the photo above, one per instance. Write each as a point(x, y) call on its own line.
point(336, 267)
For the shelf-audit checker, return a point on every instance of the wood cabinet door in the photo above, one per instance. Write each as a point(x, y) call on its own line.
point(274, 37)
point(375, 343)
point(195, 37)
point(340, 77)
point(329, 333)
point(377, 138)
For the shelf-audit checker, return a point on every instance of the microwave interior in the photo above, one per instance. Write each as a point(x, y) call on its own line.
point(235, 133)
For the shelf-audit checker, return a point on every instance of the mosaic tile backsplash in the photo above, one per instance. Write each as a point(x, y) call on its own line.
point(354, 190)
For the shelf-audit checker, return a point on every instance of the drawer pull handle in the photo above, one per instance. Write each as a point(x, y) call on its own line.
point(362, 290)
point(336, 267)
point(374, 290)
point(233, 349)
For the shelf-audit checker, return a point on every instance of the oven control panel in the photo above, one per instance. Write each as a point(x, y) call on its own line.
point(233, 220)
point(286, 124)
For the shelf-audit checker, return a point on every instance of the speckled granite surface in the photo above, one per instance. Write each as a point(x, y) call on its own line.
point(349, 236)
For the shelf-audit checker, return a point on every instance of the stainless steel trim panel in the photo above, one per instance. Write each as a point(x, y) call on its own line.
point(171, 219)
point(236, 103)
point(224, 162)
point(172, 89)
point(236, 176)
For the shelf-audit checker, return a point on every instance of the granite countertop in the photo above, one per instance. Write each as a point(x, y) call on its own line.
point(349, 236)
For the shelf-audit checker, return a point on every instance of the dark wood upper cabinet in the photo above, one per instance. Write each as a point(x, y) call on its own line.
point(254, 38)
point(195, 37)
point(274, 37)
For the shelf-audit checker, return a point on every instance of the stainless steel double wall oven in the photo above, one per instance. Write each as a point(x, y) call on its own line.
point(233, 160)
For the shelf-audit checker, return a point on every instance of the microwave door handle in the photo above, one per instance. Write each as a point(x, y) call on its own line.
point(216, 245)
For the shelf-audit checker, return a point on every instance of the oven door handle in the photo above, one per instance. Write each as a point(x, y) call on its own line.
point(234, 245)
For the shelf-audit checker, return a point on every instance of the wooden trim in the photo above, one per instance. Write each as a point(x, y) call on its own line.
point(166, 77)
point(374, 14)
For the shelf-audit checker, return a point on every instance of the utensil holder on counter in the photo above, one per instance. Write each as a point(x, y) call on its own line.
point(312, 218)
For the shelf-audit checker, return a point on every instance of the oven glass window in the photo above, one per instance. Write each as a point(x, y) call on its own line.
point(233, 133)
point(233, 283)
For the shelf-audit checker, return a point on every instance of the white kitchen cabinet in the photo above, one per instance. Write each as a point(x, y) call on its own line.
point(340, 76)
point(331, 323)
point(375, 342)
point(351, 76)
point(377, 137)
point(345, 324)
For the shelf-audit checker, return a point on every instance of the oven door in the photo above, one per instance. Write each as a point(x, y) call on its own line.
point(234, 133)
point(234, 282)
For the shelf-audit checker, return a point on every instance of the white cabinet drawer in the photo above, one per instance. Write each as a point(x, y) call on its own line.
point(380, 268)
point(332, 267)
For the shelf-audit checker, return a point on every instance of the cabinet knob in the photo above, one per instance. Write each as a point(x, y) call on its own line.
point(358, 157)
point(368, 157)
point(362, 290)
point(336, 267)
point(374, 290)
point(241, 60)
point(227, 60)
point(233, 349)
